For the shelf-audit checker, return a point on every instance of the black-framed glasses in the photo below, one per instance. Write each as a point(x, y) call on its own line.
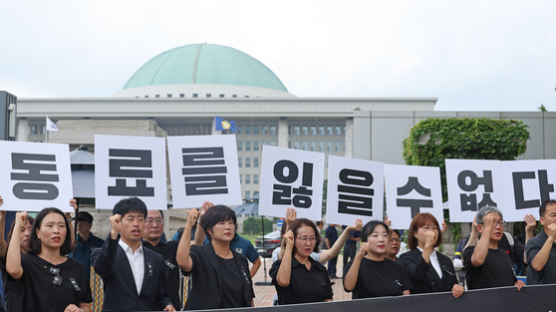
point(56, 277)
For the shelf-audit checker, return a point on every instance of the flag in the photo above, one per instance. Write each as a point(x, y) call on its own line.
point(50, 125)
point(221, 124)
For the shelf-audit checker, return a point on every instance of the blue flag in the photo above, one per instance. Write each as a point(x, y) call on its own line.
point(221, 124)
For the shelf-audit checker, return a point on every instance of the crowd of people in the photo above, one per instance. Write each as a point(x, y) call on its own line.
point(46, 267)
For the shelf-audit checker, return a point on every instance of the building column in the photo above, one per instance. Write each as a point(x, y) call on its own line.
point(283, 135)
point(362, 145)
point(22, 130)
point(349, 137)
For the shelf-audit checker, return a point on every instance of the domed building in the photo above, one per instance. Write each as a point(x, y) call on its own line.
point(181, 90)
point(203, 71)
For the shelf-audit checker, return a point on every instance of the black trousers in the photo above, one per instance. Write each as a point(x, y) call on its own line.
point(349, 253)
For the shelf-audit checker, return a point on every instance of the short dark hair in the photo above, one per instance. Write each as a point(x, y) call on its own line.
point(418, 221)
point(217, 214)
point(84, 216)
point(298, 223)
point(397, 233)
point(547, 202)
point(35, 242)
point(127, 205)
point(370, 227)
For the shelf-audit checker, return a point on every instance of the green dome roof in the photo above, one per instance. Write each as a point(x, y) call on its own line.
point(205, 64)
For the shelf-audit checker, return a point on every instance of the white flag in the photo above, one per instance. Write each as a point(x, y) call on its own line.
point(50, 125)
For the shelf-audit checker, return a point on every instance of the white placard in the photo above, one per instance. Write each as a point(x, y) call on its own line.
point(130, 166)
point(291, 178)
point(410, 190)
point(35, 176)
point(473, 184)
point(527, 183)
point(355, 190)
point(204, 168)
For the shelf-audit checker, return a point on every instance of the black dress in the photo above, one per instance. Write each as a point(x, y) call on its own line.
point(306, 286)
point(379, 279)
point(51, 288)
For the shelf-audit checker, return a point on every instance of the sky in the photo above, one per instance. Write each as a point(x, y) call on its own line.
point(471, 55)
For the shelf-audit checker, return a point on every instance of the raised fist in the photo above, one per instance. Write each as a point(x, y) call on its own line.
point(192, 215)
point(289, 238)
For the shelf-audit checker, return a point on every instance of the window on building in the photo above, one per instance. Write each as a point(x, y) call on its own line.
point(247, 162)
point(338, 130)
point(313, 130)
point(239, 145)
point(209, 95)
point(239, 162)
point(296, 145)
point(255, 179)
point(247, 129)
point(255, 195)
point(182, 95)
point(304, 146)
point(289, 144)
point(321, 146)
point(297, 130)
point(169, 95)
point(255, 145)
point(273, 130)
point(313, 146)
point(234, 96)
point(247, 145)
point(321, 130)
point(273, 143)
point(247, 195)
point(265, 130)
point(221, 95)
point(255, 129)
point(157, 95)
point(238, 128)
point(146, 95)
point(289, 130)
point(329, 146)
point(330, 130)
point(43, 128)
point(247, 179)
point(195, 95)
point(305, 130)
point(34, 129)
point(338, 146)
point(255, 162)
point(246, 96)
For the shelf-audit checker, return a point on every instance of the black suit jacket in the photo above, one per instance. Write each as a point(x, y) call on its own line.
point(120, 292)
point(205, 291)
point(423, 275)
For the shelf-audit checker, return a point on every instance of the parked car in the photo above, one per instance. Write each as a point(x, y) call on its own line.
point(271, 241)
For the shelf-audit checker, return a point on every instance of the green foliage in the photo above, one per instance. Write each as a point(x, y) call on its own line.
point(253, 225)
point(433, 140)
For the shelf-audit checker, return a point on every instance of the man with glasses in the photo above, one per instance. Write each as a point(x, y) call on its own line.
point(487, 265)
point(152, 239)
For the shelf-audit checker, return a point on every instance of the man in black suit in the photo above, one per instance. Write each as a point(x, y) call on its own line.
point(133, 276)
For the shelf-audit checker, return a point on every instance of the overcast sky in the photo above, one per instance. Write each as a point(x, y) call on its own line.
point(471, 55)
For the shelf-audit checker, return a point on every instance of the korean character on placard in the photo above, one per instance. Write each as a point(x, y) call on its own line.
point(35, 178)
point(414, 204)
point(204, 170)
point(127, 164)
point(469, 181)
point(282, 194)
point(355, 194)
point(545, 188)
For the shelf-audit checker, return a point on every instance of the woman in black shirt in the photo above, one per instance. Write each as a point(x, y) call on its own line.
point(371, 274)
point(51, 281)
point(297, 277)
point(219, 275)
point(429, 271)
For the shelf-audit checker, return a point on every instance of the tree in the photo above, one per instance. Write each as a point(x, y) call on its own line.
point(432, 141)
